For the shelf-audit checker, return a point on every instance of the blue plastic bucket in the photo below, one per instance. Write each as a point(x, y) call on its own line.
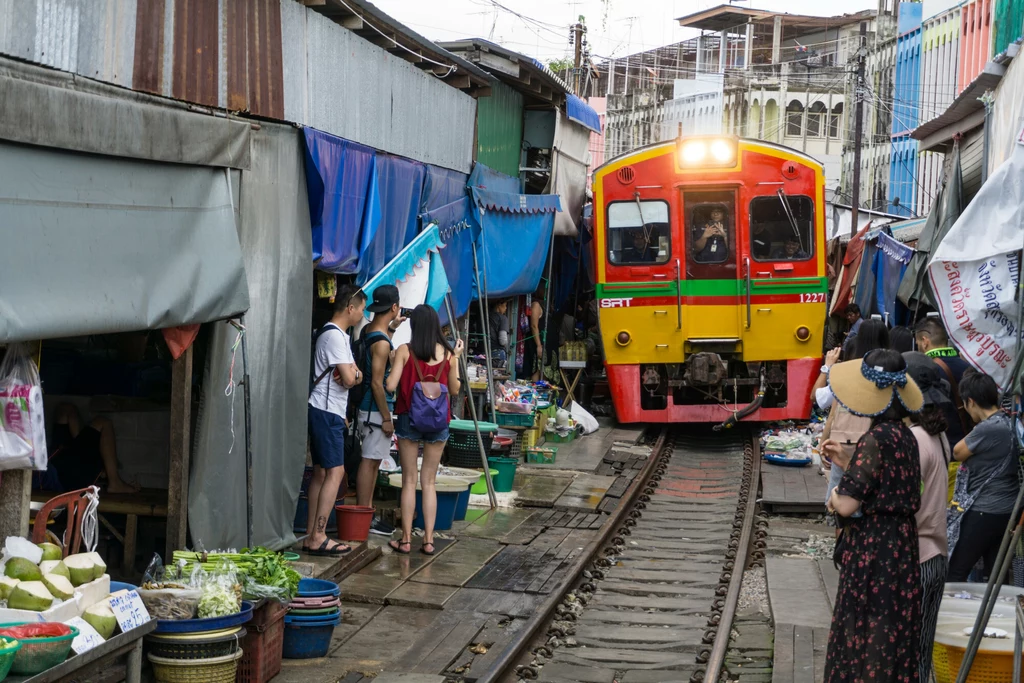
point(447, 501)
point(121, 586)
point(462, 506)
point(318, 588)
point(308, 640)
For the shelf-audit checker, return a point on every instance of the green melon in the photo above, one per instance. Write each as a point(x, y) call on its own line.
point(99, 566)
point(30, 595)
point(22, 569)
point(81, 567)
point(101, 618)
point(7, 584)
point(55, 567)
point(51, 551)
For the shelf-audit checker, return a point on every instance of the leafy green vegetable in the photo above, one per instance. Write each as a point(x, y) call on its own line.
point(217, 601)
point(267, 573)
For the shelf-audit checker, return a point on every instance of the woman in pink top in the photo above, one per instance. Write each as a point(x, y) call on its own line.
point(929, 428)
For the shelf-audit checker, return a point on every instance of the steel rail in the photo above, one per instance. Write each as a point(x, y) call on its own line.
point(507, 659)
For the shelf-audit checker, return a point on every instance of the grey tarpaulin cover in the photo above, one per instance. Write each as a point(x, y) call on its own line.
point(276, 243)
point(97, 244)
point(569, 172)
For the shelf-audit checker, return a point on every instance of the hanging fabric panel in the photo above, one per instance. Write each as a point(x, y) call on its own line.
point(337, 181)
point(569, 172)
point(493, 181)
point(891, 261)
point(458, 231)
point(97, 245)
point(515, 238)
point(441, 186)
point(391, 217)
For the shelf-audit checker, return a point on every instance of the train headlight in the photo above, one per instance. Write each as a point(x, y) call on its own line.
point(623, 338)
point(694, 151)
point(803, 333)
point(707, 151)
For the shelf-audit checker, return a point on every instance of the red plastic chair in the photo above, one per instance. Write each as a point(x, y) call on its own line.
point(76, 504)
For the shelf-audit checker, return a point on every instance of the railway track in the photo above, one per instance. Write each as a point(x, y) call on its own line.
point(657, 602)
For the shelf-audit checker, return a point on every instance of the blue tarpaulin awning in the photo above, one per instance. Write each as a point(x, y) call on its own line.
point(459, 231)
point(337, 181)
point(486, 178)
point(391, 217)
point(515, 237)
point(582, 113)
point(441, 187)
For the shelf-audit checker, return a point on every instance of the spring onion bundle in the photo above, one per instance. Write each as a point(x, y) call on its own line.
point(267, 573)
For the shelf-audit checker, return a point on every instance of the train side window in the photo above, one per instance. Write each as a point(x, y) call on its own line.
point(638, 232)
point(782, 228)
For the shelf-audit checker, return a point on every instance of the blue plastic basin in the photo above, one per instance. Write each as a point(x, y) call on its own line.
point(308, 640)
point(121, 586)
point(318, 588)
point(462, 506)
point(446, 504)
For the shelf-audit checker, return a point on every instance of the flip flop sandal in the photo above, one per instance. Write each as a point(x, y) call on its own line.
point(324, 551)
point(428, 552)
point(397, 546)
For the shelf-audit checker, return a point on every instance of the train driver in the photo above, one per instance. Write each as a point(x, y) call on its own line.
point(790, 250)
point(712, 241)
point(642, 250)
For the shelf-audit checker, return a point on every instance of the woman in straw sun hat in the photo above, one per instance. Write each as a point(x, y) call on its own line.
point(876, 621)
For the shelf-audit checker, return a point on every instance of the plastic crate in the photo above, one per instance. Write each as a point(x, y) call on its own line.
point(515, 419)
point(553, 437)
point(263, 644)
point(541, 456)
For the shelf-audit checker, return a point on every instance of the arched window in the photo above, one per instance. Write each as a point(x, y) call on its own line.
point(794, 119)
point(771, 121)
point(816, 115)
point(754, 123)
point(835, 119)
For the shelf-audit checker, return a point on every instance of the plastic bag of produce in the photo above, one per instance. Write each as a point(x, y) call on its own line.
point(22, 424)
point(221, 590)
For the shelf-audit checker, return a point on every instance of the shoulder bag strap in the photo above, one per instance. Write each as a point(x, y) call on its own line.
point(330, 367)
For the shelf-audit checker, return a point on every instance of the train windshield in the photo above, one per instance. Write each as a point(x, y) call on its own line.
point(638, 232)
point(782, 228)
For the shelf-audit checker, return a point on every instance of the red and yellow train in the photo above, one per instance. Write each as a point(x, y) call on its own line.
point(711, 284)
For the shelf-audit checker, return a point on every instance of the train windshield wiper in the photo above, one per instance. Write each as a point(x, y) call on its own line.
point(792, 219)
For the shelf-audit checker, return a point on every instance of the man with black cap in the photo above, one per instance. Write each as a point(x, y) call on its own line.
point(374, 419)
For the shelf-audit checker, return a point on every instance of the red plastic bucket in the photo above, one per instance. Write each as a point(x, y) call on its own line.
point(354, 522)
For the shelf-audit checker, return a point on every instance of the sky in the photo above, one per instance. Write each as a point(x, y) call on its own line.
point(540, 28)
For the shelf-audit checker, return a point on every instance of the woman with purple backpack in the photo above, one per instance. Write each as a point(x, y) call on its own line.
point(425, 373)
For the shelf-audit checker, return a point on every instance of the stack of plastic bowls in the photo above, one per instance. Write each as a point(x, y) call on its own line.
point(312, 616)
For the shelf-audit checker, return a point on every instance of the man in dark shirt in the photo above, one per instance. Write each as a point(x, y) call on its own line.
point(642, 249)
point(498, 322)
point(790, 250)
point(711, 242)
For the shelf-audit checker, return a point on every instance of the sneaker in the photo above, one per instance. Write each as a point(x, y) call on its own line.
point(380, 527)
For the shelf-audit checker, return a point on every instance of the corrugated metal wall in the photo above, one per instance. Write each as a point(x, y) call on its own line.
point(907, 85)
point(975, 30)
point(269, 58)
point(972, 152)
point(903, 176)
point(499, 131)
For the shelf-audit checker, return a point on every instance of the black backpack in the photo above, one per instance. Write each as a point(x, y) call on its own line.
point(361, 352)
point(313, 381)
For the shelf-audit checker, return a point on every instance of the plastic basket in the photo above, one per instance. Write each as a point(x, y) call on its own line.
point(987, 667)
point(541, 456)
point(263, 645)
point(553, 437)
point(7, 656)
point(213, 670)
point(515, 419)
point(201, 648)
point(39, 654)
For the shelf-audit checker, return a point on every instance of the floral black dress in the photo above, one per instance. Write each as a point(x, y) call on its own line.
point(876, 623)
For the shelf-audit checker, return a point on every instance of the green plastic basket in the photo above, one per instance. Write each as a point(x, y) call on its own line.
point(541, 456)
point(7, 656)
point(515, 419)
point(553, 437)
point(39, 654)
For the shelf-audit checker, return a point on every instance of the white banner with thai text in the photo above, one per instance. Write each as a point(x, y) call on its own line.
point(975, 270)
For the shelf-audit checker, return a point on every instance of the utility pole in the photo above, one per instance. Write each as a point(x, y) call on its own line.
point(858, 128)
point(577, 39)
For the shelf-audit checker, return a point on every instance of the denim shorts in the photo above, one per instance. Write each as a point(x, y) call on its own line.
point(405, 430)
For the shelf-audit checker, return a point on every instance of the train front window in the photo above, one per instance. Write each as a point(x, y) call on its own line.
point(711, 226)
point(782, 227)
point(638, 232)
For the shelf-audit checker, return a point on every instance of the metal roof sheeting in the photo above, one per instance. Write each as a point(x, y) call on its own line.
point(500, 129)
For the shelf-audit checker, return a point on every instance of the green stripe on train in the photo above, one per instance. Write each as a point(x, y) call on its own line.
point(729, 288)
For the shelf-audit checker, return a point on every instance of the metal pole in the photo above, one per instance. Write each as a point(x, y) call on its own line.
point(485, 320)
point(988, 602)
point(859, 130)
point(248, 441)
point(547, 306)
point(472, 406)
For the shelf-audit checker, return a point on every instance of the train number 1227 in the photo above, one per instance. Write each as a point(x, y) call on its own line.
point(812, 297)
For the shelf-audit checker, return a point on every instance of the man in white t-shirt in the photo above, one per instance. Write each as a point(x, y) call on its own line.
point(334, 372)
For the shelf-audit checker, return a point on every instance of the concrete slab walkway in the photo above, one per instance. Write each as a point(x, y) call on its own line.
point(412, 618)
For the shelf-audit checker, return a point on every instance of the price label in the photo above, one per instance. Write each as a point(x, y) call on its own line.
point(129, 611)
point(87, 637)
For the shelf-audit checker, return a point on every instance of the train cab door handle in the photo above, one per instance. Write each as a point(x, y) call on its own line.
point(746, 279)
point(661, 313)
point(679, 298)
point(661, 346)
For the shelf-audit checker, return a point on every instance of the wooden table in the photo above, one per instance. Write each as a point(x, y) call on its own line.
point(575, 368)
point(144, 503)
point(101, 659)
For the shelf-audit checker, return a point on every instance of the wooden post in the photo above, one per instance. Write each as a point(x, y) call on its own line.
point(181, 441)
point(15, 496)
